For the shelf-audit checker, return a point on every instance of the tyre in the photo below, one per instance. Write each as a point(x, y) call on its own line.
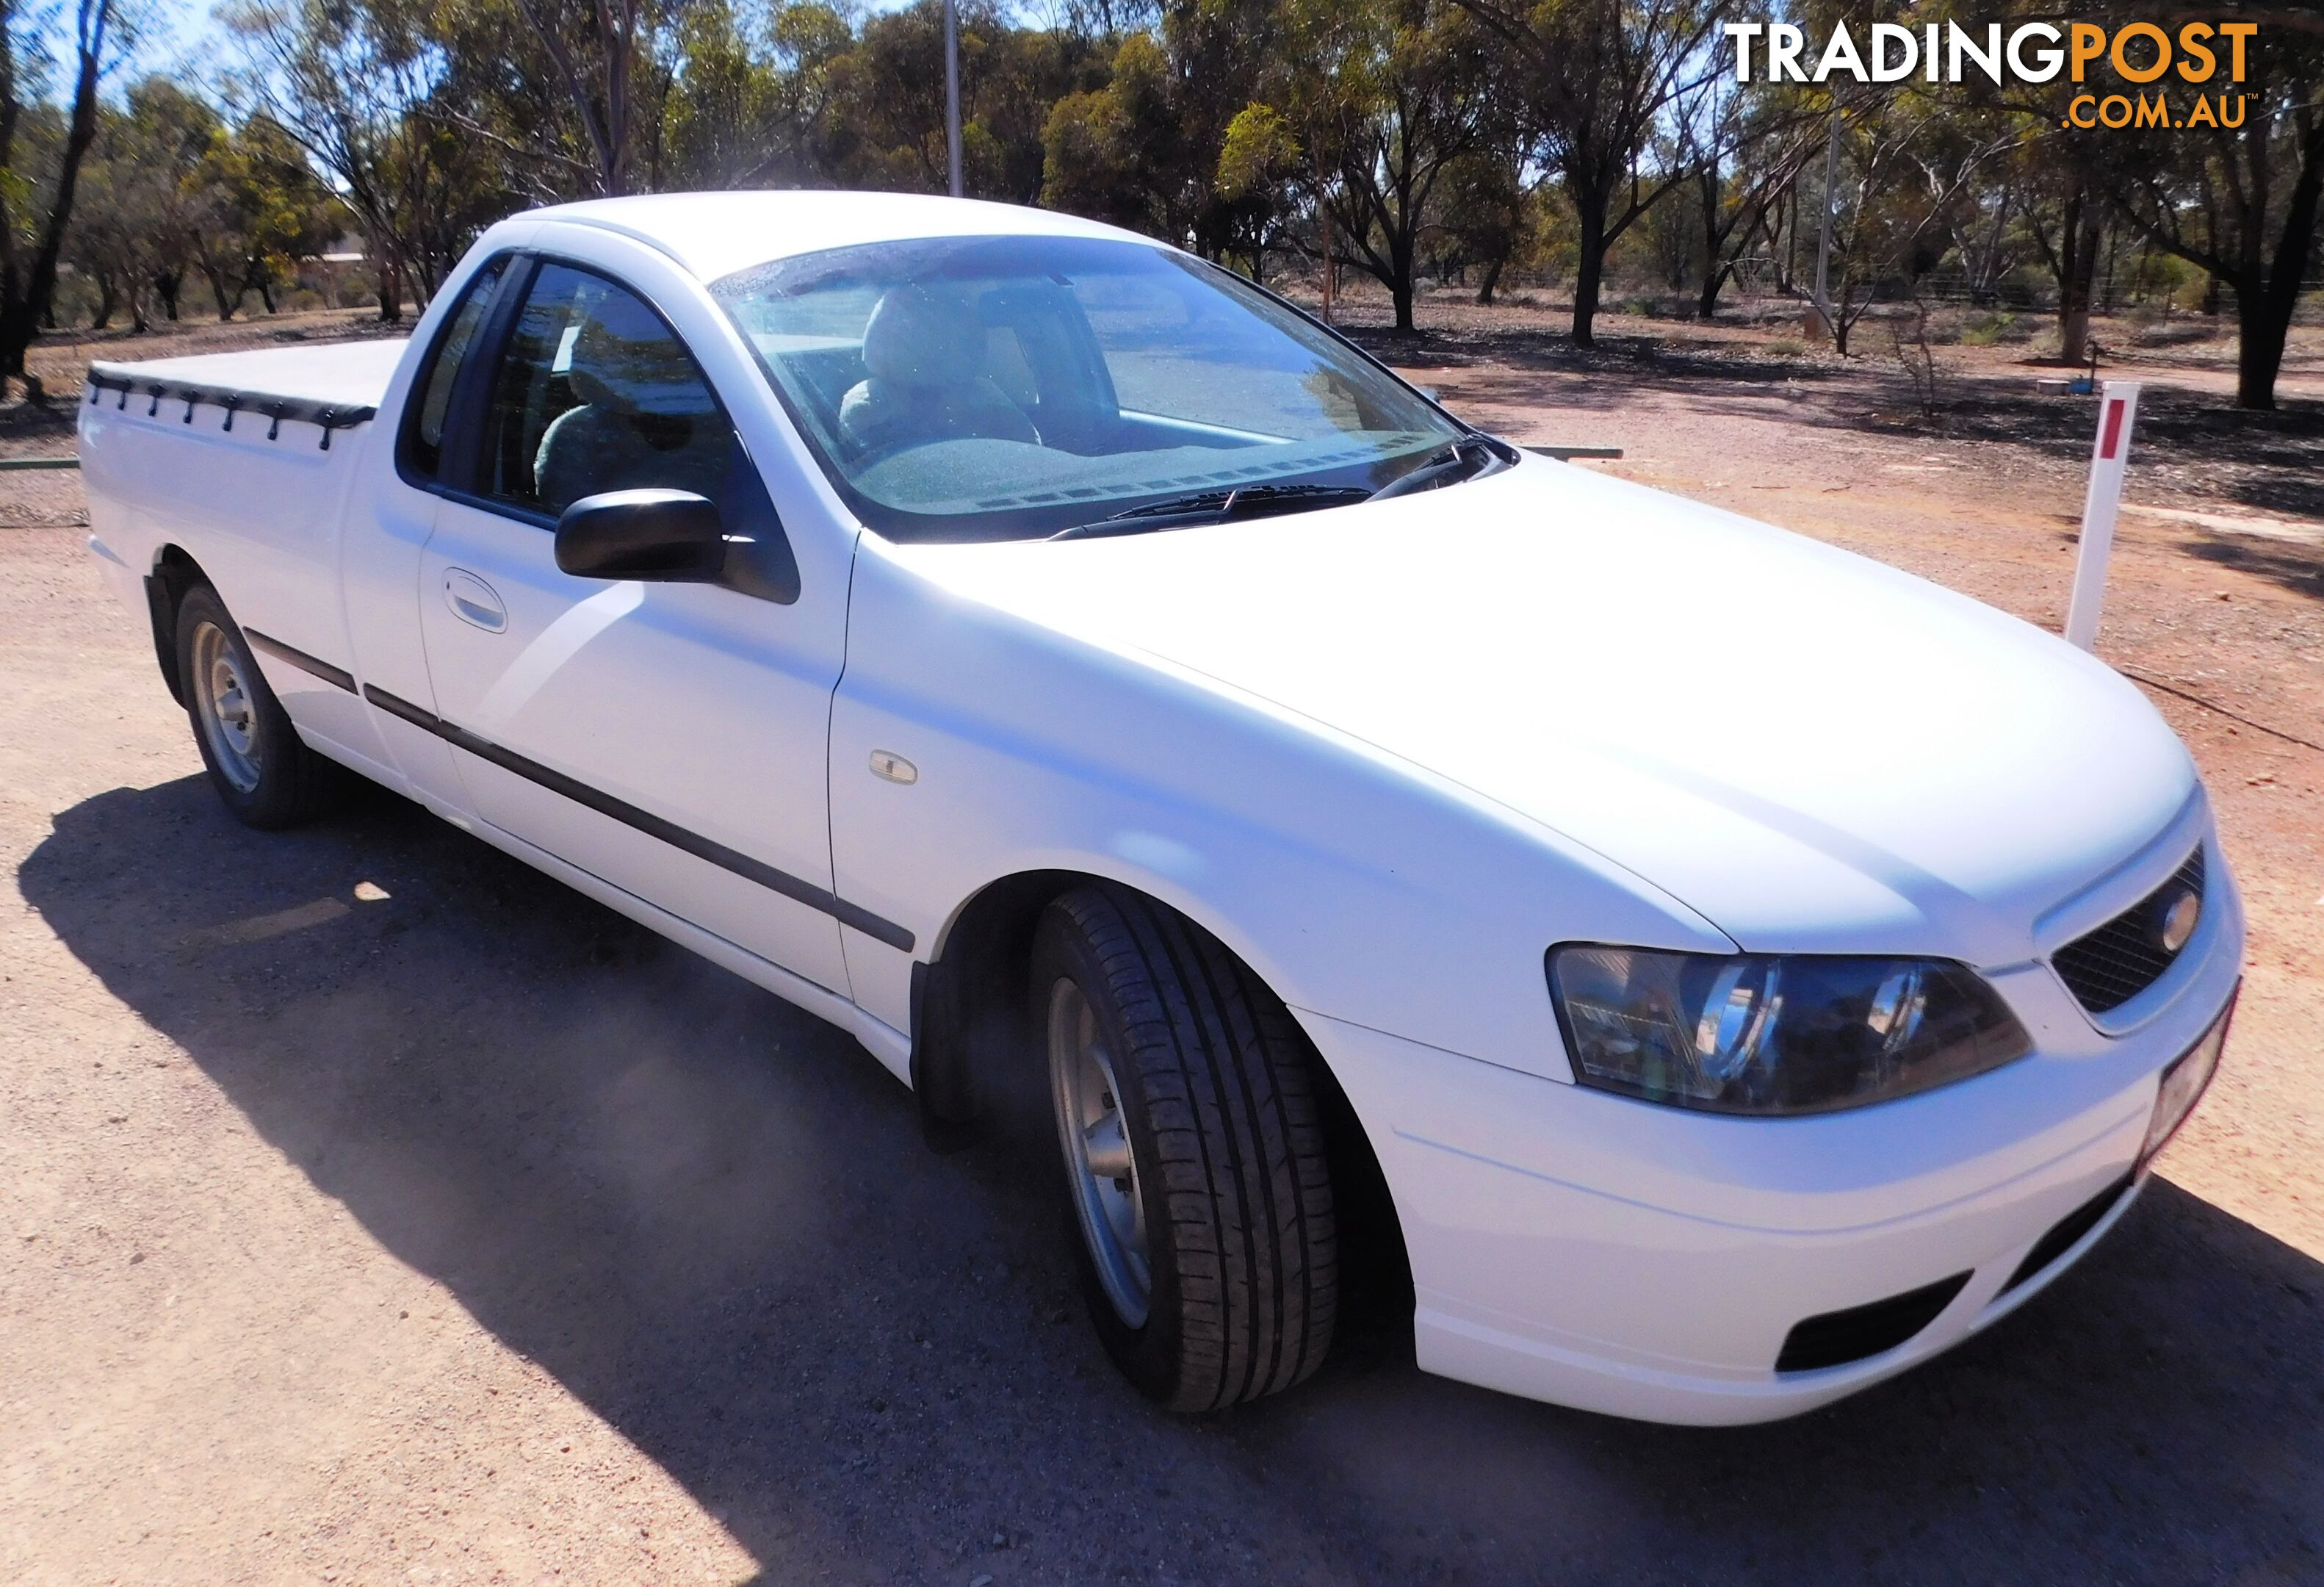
point(256, 761)
point(1200, 1206)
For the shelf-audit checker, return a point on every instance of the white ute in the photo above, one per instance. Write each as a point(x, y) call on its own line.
point(1751, 969)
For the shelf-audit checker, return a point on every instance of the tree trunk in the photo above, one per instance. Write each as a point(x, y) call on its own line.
point(2078, 280)
point(18, 315)
point(2262, 324)
point(108, 297)
point(1400, 266)
point(2263, 313)
point(1323, 224)
point(390, 290)
point(1486, 287)
point(1590, 271)
point(227, 302)
point(1708, 304)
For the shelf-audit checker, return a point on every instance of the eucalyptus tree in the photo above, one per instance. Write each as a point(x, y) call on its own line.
point(1143, 147)
point(262, 210)
point(888, 103)
point(1744, 148)
point(1908, 172)
point(1118, 152)
point(1377, 100)
point(2241, 199)
point(36, 206)
point(355, 84)
point(598, 51)
point(1601, 79)
point(2064, 211)
point(1486, 207)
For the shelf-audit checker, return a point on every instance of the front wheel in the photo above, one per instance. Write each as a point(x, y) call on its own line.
point(256, 761)
point(1194, 1155)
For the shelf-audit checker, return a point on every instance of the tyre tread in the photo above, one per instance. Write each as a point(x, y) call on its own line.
point(1222, 1073)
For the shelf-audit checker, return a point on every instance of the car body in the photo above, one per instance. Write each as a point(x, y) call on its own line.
point(1389, 753)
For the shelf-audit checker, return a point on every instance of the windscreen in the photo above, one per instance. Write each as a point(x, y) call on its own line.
point(989, 388)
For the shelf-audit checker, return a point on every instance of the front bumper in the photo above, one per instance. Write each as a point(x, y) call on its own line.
point(1577, 1247)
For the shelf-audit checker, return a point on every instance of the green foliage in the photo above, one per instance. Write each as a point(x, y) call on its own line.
point(1986, 330)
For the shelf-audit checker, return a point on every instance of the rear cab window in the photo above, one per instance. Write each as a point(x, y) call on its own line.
point(421, 453)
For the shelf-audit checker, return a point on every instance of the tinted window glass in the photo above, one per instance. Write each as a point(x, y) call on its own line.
point(991, 387)
point(423, 451)
point(594, 393)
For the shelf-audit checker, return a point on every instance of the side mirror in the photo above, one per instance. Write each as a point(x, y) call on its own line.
point(674, 536)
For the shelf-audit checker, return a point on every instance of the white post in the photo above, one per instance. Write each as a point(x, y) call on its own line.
point(952, 92)
point(2117, 408)
point(1823, 237)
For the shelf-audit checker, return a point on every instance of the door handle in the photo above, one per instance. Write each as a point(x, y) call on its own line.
point(473, 601)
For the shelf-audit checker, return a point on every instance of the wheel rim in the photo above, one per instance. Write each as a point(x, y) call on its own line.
point(229, 716)
point(1101, 1167)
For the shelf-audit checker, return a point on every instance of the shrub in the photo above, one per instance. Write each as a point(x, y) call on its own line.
point(1983, 330)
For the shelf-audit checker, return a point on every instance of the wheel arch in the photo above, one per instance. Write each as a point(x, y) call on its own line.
point(174, 573)
point(970, 1015)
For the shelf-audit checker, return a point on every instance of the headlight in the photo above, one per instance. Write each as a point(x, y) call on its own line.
point(1755, 1033)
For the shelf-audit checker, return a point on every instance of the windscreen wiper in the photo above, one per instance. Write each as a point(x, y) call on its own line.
point(1217, 506)
point(1465, 459)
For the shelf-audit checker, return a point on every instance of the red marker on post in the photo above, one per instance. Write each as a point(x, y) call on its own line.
point(2118, 410)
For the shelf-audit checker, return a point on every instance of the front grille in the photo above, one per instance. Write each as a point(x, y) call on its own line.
point(1833, 1339)
point(2122, 958)
point(2068, 1234)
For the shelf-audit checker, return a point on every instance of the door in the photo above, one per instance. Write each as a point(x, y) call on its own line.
point(384, 533)
point(668, 738)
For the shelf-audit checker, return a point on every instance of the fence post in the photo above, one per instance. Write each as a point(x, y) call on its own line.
point(2118, 409)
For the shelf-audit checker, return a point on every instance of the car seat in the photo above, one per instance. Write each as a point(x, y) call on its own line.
point(926, 378)
point(644, 417)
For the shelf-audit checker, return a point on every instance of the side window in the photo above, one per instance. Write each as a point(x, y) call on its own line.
point(423, 441)
point(594, 393)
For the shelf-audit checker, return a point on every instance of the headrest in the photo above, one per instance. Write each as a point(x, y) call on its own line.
point(916, 338)
point(626, 360)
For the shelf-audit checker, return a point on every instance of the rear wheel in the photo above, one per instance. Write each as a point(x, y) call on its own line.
point(1195, 1170)
point(256, 761)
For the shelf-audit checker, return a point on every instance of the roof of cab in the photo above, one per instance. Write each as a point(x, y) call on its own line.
point(716, 233)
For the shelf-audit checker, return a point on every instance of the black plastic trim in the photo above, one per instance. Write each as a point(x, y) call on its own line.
point(939, 1068)
point(702, 848)
point(337, 677)
point(268, 405)
point(2068, 1231)
point(474, 372)
point(160, 604)
point(1835, 1339)
point(397, 706)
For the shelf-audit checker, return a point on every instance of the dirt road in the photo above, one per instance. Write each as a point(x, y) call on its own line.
point(382, 1212)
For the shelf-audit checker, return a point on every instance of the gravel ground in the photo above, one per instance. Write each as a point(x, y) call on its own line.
point(382, 1211)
